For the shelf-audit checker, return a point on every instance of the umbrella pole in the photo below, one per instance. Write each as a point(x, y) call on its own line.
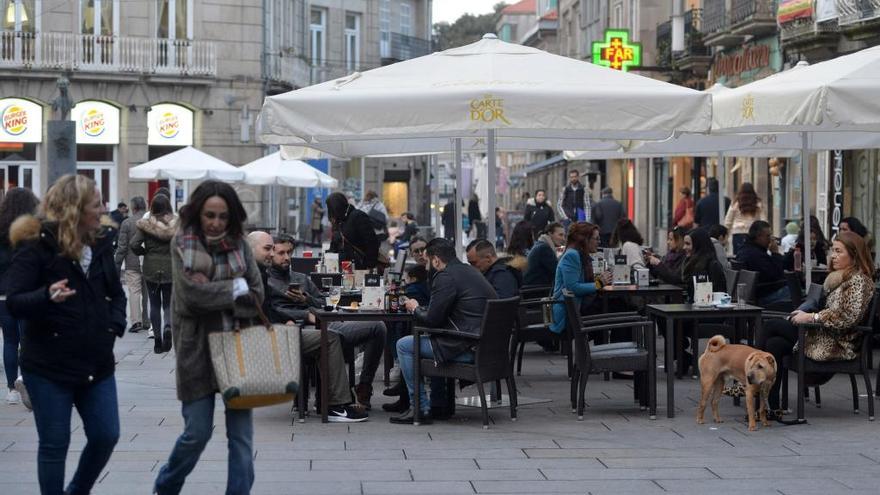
point(720, 175)
point(805, 200)
point(490, 187)
point(459, 251)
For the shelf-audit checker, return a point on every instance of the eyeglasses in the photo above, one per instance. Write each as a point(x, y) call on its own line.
point(418, 250)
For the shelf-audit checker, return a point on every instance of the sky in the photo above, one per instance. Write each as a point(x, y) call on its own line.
point(450, 10)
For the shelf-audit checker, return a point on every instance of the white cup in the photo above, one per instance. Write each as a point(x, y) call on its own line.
point(720, 298)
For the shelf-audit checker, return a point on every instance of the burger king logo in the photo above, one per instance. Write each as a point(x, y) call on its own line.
point(15, 120)
point(93, 123)
point(169, 125)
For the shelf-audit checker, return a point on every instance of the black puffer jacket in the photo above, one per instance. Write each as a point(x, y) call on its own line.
point(458, 299)
point(69, 342)
point(357, 241)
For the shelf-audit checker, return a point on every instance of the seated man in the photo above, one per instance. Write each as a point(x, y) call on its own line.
point(341, 409)
point(505, 279)
point(292, 294)
point(760, 253)
point(458, 300)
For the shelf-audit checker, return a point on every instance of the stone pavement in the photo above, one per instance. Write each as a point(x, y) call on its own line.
point(615, 450)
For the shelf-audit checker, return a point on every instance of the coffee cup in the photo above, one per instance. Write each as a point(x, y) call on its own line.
point(720, 298)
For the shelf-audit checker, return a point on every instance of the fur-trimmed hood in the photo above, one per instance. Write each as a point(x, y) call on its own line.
point(518, 262)
point(162, 228)
point(25, 228)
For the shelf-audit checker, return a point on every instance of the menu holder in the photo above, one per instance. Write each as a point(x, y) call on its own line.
point(702, 291)
point(373, 298)
point(372, 280)
point(359, 277)
point(621, 275)
point(331, 262)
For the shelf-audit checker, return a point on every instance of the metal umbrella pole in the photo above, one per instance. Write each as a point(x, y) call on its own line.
point(459, 250)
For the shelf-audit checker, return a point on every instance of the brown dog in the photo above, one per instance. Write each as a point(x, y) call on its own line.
point(753, 368)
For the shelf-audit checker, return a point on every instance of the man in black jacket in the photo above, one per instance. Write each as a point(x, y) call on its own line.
point(353, 235)
point(606, 213)
point(760, 254)
point(575, 203)
point(706, 212)
point(505, 279)
point(458, 300)
point(539, 214)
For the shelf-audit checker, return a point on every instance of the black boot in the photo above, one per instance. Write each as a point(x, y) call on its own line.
point(166, 339)
point(400, 406)
point(398, 389)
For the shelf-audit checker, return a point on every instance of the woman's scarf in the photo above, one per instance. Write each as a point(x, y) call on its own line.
point(835, 278)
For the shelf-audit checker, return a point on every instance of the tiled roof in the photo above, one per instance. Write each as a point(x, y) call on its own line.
point(523, 7)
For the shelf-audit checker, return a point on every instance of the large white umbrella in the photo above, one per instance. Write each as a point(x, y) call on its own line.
point(186, 164)
point(274, 170)
point(840, 96)
point(507, 91)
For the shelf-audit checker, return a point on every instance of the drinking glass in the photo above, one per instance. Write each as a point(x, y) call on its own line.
point(335, 296)
point(741, 295)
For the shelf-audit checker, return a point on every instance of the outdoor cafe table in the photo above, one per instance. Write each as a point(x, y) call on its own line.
point(323, 319)
point(674, 312)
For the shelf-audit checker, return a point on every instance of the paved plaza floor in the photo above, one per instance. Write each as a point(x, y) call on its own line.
point(615, 450)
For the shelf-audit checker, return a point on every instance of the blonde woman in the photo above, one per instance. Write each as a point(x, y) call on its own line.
point(63, 282)
point(742, 214)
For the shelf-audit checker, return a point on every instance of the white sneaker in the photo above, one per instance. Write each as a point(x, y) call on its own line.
point(13, 397)
point(150, 334)
point(394, 375)
point(23, 393)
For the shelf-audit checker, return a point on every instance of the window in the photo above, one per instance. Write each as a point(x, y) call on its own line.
point(318, 27)
point(352, 41)
point(174, 19)
point(19, 16)
point(384, 28)
point(405, 18)
point(97, 17)
point(617, 17)
point(634, 19)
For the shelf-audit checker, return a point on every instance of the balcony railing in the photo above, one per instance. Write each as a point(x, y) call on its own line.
point(402, 47)
point(694, 56)
point(116, 54)
point(288, 69)
point(755, 17)
point(857, 11)
point(714, 16)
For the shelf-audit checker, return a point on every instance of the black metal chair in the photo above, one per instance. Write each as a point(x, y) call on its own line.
point(732, 278)
point(531, 323)
point(793, 280)
point(858, 366)
point(634, 356)
point(491, 354)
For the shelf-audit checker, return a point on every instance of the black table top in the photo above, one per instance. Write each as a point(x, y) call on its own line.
point(364, 315)
point(635, 289)
point(690, 309)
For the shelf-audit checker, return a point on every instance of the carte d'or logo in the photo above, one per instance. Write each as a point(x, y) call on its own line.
point(488, 109)
point(748, 107)
point(15, 120)
point(93, 123)
point(169, 125)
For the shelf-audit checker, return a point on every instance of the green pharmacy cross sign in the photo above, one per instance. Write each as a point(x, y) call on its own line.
point(616, 51)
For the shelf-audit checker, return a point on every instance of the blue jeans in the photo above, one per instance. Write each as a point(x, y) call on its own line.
point(198, 416)
point(11, 338)
point(405, 350)
point(53, 403)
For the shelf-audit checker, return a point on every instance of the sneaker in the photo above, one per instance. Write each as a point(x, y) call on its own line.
point(346, 414)
point(13, 397)
point(23, 393)
point(150, 334)
point(137, 327)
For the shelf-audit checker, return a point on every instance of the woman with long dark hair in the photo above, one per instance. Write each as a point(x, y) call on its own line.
point(701, 259)
point(17, 202)
point(819, 246)
point(627, 239)
point(152, 240)
point(522, 239)
point(742, 214)
point(216, 283)
point(353, 235)
point(63, 282)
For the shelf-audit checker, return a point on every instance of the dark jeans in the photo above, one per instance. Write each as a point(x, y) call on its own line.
point(11, 337)
point(777, 337)
point(160, 302)
point(738, 241)
point(316, 236)
point(99, 410)
point(368, 334)
point(198, 416)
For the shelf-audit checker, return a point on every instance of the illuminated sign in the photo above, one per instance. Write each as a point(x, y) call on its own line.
point(616, 51)
point(96, 122)
point(22, 121)
point(170, 125)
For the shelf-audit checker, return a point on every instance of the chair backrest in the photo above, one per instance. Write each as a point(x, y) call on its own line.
point(499, 319)
point(303, 265)
point(400, 262)
point(736, 265)
point(815, 292)
point(532, 314)
point(732, 277)
point(750, 279)
point(871, 314)
point(529, 292)
point(793, 280)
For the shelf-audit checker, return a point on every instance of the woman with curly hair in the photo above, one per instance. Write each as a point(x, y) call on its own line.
point(742, 213)
point(17, 202)
point(63, 282)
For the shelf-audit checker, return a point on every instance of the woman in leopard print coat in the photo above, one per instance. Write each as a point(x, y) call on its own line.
point(848, 292)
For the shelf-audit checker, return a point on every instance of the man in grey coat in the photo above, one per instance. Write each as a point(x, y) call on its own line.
point(137, 294)
point(606, 213)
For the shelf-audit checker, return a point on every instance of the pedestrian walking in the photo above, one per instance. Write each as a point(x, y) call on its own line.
point(119, 214)
point(354, 237)
point(131, 274)
point(475, 217)
point(745, 210)
point(317, 220)
point(706, 212)
point(540, 214)
point(606, 213)
point(216, 282)
point(575, 203)
point(684, 211)
point(17, 202)
point(63, 282)
point(152, 240)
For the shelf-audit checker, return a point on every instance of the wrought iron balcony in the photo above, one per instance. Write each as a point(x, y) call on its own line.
point(853, 13)
point(695, 56)
point(715, 25)
point(107, 54)
point(402, 47)
point(753, 17)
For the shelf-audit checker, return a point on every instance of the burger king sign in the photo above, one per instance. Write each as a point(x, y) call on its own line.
point(96, 122)
point(22, 121)
point(170, 125)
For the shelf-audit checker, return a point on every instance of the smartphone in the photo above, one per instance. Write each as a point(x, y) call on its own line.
point(294, 286)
